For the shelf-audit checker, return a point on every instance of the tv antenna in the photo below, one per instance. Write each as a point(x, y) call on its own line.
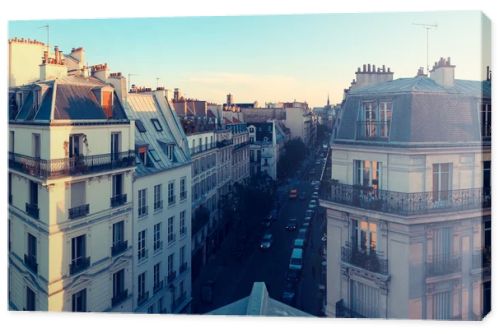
point(427, 27)
point(48, 40)
point(129, 76)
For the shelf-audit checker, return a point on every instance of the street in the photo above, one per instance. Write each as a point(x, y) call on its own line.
point(233, 278)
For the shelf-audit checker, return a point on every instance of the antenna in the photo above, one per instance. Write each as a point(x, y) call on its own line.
point(129, 76)
point(48, 40)
point(427, 27)
point(157, 79)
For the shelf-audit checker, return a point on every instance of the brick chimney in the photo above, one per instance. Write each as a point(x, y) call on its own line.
point(119, 82)
point(443, 72)
point(100, 72)
point(176, 95)
point(53, 68)
point(229, 100)
point(370, 75)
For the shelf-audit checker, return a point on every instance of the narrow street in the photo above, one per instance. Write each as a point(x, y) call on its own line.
point(233, 278)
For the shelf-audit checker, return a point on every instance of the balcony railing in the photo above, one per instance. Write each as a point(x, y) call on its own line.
point(443, 264)
point(171, 200)
point(373, 130)
point(201, 148)
point(142, 211)
point(158, 205)
point(118, 200)
point(141, 299)
point(405, 204)
point(32, 210)
point(79, 211)
point(224, 143)
point(119, 247)
point(171, 276)
point(341, 311)
point(370, 261)
point(119, 297)
point(157, 286)
point(183, 195)
point(78, 265)
point(183, 267)
point(30, 262)
point(70, 166)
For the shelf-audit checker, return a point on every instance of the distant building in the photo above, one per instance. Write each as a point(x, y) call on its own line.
point(408, 198)
point(265, 144)
point(258, 303)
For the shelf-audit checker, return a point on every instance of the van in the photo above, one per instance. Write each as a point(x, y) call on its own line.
point(296, 260)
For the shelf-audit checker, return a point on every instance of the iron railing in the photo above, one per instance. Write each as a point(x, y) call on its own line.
point(405, 204)
point(119, 247)
point(78, 165)
point(443, 264)
point(33, 210)
point(373, 130)
point(79, 264)
point(30, 262)
point(119, 297)
point(118, 200)
point(368, 260)
point(78, 211)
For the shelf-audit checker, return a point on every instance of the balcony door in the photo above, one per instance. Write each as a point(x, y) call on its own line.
point(441, 182)
point(78, 249)
point(367, 173)
point(36, 146)
point(117, 184)
point(115, 145)
point(75, 145)
point(77, 194)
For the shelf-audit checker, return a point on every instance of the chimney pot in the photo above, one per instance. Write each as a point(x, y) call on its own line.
point(364, 67)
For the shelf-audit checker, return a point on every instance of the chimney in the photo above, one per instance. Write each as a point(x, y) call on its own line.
point(119, 82)
point(176, 94)
point(229, 100)
point(100, 72)
point(52, 68)
point(443, 72)
point(371, 75)
point(420, 72)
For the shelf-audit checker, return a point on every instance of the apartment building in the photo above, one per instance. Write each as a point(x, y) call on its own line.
point(71, 165)
point(162, 203)
point(408, 198)
point(265, 144)
point(240, 167)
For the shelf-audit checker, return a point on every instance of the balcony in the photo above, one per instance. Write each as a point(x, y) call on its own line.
point(158, 286)
point(142, 211)
point(79, 211)
point(171, 276)
point(119, 297)
point(118, 200)
point(373, 130)
point(171, 200)
point(443, 264)
point(119, 247)
point(158, 205)
point(405, 204)
point(80, 165)
point(183, 267)
point(32, 210)
point(141, 299)
point(78, 265)
point(362, 259)
point(31, 264)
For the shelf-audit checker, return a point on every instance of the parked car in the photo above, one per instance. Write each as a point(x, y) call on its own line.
point(299, 243)
point(292, 224)
point(267, 241)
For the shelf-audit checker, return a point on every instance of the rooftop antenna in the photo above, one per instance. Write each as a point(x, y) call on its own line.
point(427, 27)
point(48, 40)
point(157, 80)
point(129, 76)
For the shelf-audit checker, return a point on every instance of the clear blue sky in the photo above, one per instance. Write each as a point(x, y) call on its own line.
point(267, 58)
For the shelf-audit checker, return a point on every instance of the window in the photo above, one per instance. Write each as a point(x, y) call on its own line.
point(441, 182)
point(364, 236)
point(170, 230)
point(154, 155)
point(441, 305)
point(117, 184)
point(485, 114)
point(364, 299)
point(115, 145)
point(118, 233)
point(140, 126)
point(157, 237)
point(171, 193)
point(36, 146)
point(442, 246)
point(142, 208)
point(141, 245)
point(33, 188)
point(31, 247)
point(156, 275)
point(156, 124)
point(77, 194)
point(142, 154)
point(30, 300)
point(78, 251)
point(170, 264)
point(385, 117)
point(79, 301)
point(183, 191)
point(367, 173)
point(182, 255)
point(75, 146)
point(118, 284)
point(158, 203)
point(182, 223)
point(141, 285)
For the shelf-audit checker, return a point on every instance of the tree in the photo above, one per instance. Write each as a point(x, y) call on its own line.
point(295, 152)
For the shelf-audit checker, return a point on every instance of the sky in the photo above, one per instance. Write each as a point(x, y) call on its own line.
point(268, 58)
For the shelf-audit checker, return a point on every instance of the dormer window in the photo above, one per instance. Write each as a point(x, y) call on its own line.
point(156, 124)
point(142, 154)
point(140, 126)
point(104, 96)
point(375, 120)
point(154, 155)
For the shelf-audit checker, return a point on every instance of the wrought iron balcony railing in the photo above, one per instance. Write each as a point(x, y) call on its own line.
point(368, 260)
point(405, 204)
point(119, 247)
point(30, 262)
point(373, 130)
point(118, 200)
point(119, 297)
point(79, 211)
point(79, 165)
point(33, 210)
point(78, 265)
point(443, 264)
